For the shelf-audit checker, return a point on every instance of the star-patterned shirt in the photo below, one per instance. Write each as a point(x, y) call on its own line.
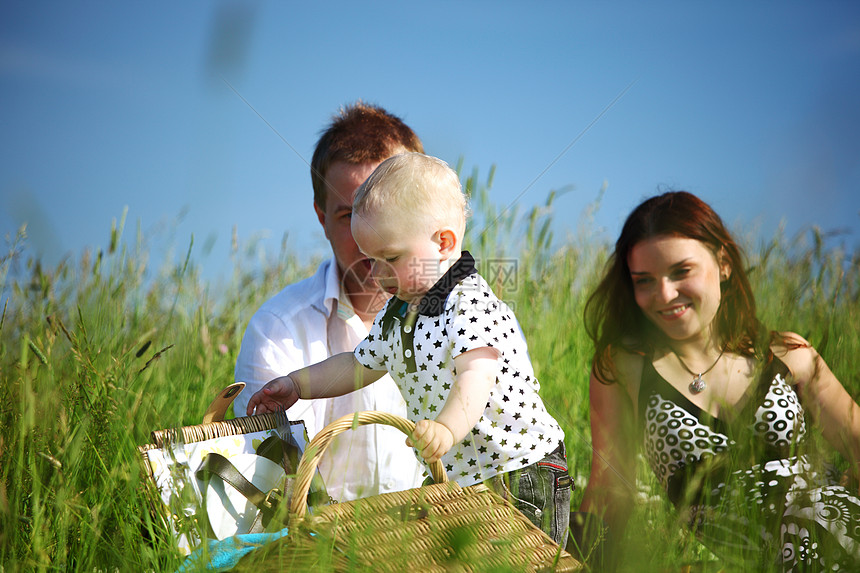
point(461, 313)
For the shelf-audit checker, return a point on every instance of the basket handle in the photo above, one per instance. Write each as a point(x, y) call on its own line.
point(216, 410)
point(314, 451)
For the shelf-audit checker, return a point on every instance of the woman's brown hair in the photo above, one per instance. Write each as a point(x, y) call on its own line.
point(614, 320)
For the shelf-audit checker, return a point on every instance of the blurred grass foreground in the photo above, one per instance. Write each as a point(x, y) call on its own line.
point(99, 351)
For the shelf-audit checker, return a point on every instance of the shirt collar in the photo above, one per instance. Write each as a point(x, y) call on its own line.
point(335, 298)
point(433, 303)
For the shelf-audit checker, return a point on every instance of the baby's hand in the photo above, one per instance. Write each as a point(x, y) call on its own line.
point(278, 395)
point(431, 439)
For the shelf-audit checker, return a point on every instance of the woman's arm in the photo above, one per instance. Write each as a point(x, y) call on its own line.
point(611, 485)
point(825, 399)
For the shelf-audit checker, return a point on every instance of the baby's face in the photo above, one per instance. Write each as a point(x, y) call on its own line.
point(404, 250)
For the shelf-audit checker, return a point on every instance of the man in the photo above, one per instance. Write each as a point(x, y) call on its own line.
point(332, 311)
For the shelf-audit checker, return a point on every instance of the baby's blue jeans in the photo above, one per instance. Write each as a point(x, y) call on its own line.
point(541, 491)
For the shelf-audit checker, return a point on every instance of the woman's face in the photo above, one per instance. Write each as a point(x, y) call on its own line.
point(676, 283)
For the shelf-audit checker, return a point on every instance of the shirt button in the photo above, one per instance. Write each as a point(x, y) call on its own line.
point(407, 353)
point(407, 329)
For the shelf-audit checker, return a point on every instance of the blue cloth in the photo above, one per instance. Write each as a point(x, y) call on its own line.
point(224, 554)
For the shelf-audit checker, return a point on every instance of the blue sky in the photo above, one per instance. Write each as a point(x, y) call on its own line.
point(106, 105)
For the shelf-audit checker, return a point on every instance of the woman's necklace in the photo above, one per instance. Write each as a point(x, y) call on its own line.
point(698, 384)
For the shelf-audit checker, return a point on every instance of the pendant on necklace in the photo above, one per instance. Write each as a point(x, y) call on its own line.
point(697, 385)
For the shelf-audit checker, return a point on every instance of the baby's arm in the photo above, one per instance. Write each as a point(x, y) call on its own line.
point(335, 376)
point(476, 373)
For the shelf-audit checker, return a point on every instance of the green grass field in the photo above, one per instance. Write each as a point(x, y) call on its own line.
point(100, 350)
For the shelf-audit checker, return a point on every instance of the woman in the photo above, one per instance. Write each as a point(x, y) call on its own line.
point(683, 366)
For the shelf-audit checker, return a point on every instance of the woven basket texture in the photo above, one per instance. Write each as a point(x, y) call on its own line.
point(440, 527)
point(221, 429)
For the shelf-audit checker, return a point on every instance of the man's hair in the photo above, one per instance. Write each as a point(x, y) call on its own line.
point(417, 186)
point(359, 133)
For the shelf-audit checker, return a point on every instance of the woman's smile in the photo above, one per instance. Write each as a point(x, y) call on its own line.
point(674, 312)
point(676, 283)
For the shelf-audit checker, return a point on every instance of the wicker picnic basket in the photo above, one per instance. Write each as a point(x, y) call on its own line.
point(267, 449)
point(440, 527)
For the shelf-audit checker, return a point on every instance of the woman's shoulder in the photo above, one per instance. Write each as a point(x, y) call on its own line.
point(618, 375)
point(796, 353)
point(626, 360)
point(625, 367)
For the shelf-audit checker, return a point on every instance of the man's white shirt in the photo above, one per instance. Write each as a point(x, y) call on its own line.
point(306, 323)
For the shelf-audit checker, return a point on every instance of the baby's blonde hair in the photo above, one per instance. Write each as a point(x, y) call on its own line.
point(415, 185)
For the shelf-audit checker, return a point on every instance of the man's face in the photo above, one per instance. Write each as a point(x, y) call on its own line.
point(343, 179)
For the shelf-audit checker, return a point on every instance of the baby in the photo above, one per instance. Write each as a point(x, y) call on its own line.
point(455, 350)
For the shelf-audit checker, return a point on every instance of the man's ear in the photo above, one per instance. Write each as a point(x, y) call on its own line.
point(725, 265)
point(448, 242)
point(321, 216)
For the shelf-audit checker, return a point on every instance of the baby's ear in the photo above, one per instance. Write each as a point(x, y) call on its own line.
point(448, 242)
